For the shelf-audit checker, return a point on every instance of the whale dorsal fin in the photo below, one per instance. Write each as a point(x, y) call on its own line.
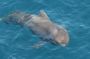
point(43, 14)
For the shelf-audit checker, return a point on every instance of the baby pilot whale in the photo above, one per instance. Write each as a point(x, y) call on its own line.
point(42, 26)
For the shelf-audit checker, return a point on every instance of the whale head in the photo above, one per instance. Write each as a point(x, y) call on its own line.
point(61, 36)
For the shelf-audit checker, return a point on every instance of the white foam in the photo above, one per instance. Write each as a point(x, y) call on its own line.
point(0, 19)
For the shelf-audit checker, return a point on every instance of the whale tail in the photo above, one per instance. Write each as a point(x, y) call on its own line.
point(16, 17)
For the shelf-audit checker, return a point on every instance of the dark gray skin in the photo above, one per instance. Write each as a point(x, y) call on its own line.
point(41, 26)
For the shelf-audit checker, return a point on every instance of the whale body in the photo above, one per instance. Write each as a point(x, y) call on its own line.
point(42, 26)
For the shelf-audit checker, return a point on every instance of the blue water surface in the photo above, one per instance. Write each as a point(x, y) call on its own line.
point(16, 41)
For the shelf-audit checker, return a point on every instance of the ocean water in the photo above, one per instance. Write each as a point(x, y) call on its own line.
point(16, 41)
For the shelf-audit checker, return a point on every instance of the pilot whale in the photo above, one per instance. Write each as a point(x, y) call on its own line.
point(42, 26)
